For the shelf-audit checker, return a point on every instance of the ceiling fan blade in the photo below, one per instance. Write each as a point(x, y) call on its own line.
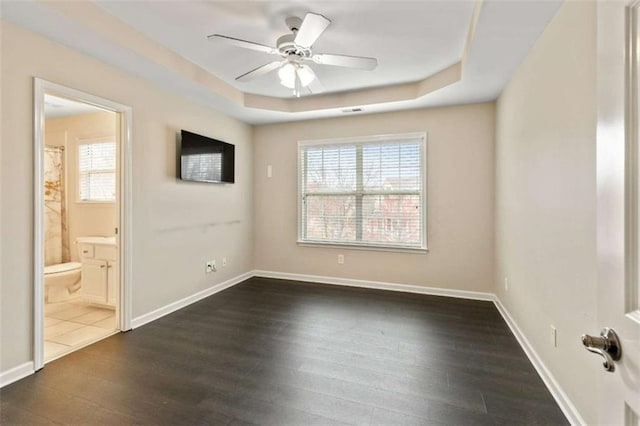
point(260, 71)
point(316, 85)
point(244, 44)
point(312, 27)
point(345, 61)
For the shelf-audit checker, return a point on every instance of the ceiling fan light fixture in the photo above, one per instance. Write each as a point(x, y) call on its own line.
point(287, 74)
point(306, 75)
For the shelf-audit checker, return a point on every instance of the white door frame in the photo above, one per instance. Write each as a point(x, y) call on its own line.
point(42, 87)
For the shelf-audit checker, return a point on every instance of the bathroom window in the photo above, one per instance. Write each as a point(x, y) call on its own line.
point(97, 172)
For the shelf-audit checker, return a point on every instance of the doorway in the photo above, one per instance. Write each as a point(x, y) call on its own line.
point(82, 193)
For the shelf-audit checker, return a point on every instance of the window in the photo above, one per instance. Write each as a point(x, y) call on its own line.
point(363, 192)
point(97, 172)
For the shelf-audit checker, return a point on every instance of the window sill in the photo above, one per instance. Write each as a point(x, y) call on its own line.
point(362, 247)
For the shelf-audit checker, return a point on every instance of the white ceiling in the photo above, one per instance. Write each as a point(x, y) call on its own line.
point(56, 107)
point(411, 39)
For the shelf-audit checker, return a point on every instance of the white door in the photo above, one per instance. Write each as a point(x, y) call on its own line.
point(618, 183)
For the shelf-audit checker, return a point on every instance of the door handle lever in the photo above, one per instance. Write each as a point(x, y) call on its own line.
point(607, 345)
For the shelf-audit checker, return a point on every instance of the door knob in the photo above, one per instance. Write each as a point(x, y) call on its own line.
point(607, 345)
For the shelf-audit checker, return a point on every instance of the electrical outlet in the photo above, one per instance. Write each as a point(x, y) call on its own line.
point(341, 259)
point(211, 266)
point(224, 262)
point(506, 283)
point(269, 171)
point(553, 336)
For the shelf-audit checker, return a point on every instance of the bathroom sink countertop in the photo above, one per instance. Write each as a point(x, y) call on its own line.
point(110, 241)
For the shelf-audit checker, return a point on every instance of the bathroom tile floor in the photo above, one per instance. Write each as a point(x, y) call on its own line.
point(69, 325)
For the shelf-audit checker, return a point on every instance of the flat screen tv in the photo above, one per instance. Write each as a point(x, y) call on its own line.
point(203, 159)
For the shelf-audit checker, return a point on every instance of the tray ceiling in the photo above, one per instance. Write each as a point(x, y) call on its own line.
point(431, 53)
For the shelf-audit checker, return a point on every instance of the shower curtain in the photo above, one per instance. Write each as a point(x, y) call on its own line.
point(56, 238)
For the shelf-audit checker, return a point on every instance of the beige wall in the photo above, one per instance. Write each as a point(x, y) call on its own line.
point(83, 219)
point(460, 200)
point(177, 226)
point(545, 198)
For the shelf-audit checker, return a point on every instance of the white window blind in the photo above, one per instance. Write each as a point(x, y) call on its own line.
point(367, 192)
point(97, 171)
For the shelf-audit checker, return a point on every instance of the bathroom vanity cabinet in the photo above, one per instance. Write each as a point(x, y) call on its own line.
point(100, 274)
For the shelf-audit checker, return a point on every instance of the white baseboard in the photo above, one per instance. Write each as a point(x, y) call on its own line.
point(567, 407)
point(16, 373)
point(406, 288)
point(179, 304)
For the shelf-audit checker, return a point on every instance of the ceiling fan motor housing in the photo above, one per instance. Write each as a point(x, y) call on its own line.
point(287, 47)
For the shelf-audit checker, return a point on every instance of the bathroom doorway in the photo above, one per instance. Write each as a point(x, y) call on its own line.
point(82, 190)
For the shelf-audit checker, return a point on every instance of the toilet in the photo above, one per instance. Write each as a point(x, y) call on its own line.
point(62, 281)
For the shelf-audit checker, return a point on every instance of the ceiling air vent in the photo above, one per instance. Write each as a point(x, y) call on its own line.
point(350, 110)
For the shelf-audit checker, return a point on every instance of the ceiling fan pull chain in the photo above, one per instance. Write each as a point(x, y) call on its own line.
point(296, 91)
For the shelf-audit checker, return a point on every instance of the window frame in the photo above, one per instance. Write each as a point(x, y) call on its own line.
point(90, 141)
point(422, 248)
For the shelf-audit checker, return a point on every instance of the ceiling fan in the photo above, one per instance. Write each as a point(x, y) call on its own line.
point(296, 51)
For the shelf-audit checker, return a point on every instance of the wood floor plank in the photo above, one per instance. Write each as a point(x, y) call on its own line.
point(274, 352)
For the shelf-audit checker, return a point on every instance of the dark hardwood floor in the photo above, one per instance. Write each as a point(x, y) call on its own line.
point(271, 352)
